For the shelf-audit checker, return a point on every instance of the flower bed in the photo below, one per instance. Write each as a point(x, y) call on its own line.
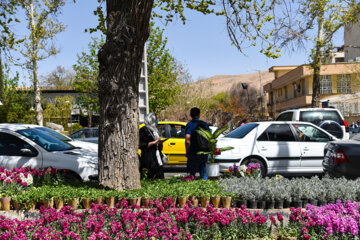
point(163, 221)
point(253, 192)
point(332, 221)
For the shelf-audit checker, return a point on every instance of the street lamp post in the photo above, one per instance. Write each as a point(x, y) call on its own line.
point(261, 94)
point(245, 87)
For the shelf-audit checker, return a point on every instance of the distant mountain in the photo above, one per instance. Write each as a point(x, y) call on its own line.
point(223, 83)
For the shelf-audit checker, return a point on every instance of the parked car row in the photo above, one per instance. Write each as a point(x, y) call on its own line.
point(39, 147)
point(299, 142)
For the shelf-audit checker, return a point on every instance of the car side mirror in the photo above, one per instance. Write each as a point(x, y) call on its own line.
point(27, 152)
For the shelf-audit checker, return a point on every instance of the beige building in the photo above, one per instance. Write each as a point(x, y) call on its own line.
point(292, 86)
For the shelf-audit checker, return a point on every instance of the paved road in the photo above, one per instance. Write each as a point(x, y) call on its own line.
point(172, 170)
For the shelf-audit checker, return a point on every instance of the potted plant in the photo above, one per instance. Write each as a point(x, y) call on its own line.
point(205, 199)
point(58, 200)
point(182, 196)
point(6, 199)
point(85, 198)
point(252, 202)
point(212, 168)
point(133, 198)
point(226, 200)
point(296, 196)
point(280, 196)
point(260, 197)
point(110, 199)
point(270, 198)
point(145, 198)
point(215, 198)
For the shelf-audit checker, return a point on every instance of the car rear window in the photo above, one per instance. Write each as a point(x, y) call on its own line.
point(317, 117)
point(242, 131)
point(288, 116)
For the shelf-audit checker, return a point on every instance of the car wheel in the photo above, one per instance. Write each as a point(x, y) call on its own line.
point(70, 176)
point(255, 160)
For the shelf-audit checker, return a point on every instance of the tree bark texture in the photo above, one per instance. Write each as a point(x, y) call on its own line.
point(34, 62)
point(119, 75)
point(316, 64)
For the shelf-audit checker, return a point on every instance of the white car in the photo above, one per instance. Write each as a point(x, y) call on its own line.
point(329, 119)
point(289, 148)
point(24, 145)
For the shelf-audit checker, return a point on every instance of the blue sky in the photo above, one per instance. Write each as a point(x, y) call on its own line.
point(202, 44)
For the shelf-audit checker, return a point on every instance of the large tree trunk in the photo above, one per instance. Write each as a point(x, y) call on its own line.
point(119, 76)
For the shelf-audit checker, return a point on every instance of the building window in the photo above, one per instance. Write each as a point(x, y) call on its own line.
point(286, 92)
point(344, 83)
point(325, 84)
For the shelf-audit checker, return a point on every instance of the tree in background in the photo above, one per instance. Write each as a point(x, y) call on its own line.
point(7, 36)
point(279, 24)
point(59, 111)
point(16, 102)
point(245, 98)
point(162, 71)
point(86, 75)
point(43, 25)
point(60, 78)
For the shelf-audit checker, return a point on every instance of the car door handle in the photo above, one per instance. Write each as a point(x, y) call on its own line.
point(172, 144)
point(306, 149)
point(263, 148)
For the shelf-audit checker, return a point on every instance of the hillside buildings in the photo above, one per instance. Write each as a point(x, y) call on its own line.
point(339, 83)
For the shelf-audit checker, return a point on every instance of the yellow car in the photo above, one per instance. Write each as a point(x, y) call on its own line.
point(174, 146)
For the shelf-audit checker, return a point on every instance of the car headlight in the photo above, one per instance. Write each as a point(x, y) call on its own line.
point(93, 165)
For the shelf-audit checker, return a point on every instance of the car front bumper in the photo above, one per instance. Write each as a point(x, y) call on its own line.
point(227, 163)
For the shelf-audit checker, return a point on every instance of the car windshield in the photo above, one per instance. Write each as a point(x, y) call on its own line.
point(242, 131)
point(45, 140)
point(54, 133)
point(317, 117)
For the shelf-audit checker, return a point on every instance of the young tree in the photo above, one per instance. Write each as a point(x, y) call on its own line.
point(60, 77)
point(87, 72)
point(43, 25)
point(162, 71)
point(283, 23)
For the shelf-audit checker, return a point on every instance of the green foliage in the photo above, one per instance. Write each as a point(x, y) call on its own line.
point(162, 71)
point(167, 9)
point(75, 127)
point(8, 9)
point(59, 111)
point(59, 78)
point(42, 25)
point(87, 72)
point(16, 102)
point(211, 138)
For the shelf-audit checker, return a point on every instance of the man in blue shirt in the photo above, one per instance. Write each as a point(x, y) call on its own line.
point(195, 163)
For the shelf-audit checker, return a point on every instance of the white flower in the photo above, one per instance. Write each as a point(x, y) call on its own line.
point(242, 168)
point(29, 179)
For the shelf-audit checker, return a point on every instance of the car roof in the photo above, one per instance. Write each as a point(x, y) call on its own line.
point(310, 109)
point(284, 122)
point(17, 126)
